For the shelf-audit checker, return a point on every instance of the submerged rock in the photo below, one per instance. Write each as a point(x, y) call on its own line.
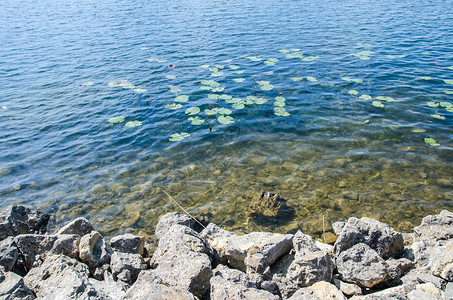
point(18, 219)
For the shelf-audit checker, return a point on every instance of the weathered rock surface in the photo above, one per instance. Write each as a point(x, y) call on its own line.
point(126, 266)
point(422, 275)
point(378, 236)
point(435, 227)
point(267, 204)
point(395, 293)
point(166, 221)
point(148, 287)
point(67, 244)
point(319, 291)
point(93, 250)
point(18, 219)
point(109, 288)
point(8, 253)
point(426, 291)
point(362, 265)
point(183, 260)
point(60, 277)
point(12, 287)
point(80, 226)
point(128, 243)
point(348, 289)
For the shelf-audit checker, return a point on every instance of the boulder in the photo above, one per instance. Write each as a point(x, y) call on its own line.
point(267, 205)
point(442, 265)
point(170, 219)
point(435, 227)
point(93, 250)
point(422, 275)
point(394, 293)
point(109, 288)
point(18, 219)
point(126, 266)
point(349, 289)
point(148, 287)
point(12, 287)
point(183, 260)
point(426, 291)
point(319, 291)
point(80, 226)
point(362, 265)
point(67, 244)
point(128, 243)
point(8, 253)
point(233, 284)
point(34, 247)
point(449, 291)
point(378, 236)
point(61, 277)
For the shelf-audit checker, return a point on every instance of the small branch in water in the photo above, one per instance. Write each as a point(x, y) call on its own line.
point(185, 211)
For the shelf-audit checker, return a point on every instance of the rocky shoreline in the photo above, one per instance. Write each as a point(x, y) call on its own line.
point(195, 259)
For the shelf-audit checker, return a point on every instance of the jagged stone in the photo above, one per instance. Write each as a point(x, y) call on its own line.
point(183, 260)
point(33, 246)
point(18, 219)
point(128, 243)
point(449, 291)
point(378, 236)
point(422, 275)
point(93, 250)
point(126, 266)
point(8, 253)
point(12, 287)
point(435, 227)
point(149, 287)
point(394, 293)
point(319, 291)
point(362, 265)
point(267, 204)
point(170, 219)
point(61, 277)
point(442, 265)
point(80, 226)
point(67, 244)
point(349, 289)
point(108, 288)
point(426, 291)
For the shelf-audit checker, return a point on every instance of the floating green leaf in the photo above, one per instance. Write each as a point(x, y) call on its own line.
point(122, 83)
point(279, 98)
point(448, 81)
point(352, 79)
point(384, 98)
point(378, 104)
point(448, 92)
point(365, 97)
point(260, 100)
point(204, 66)
point(283, 50)
point(364, 45)
point(418, 130)
point(239, 79)
point(253, 58)
point(238, 105)
point(267, 87)
point(269, 63)
point(174, 89)
point(239, 72)
point(225, 97)
point(225, 119)
point(425, 78)
point(224, 111)
point(446, 104)
point(311, 79)
point(353, 92)
point(205, 87)
point(248, 101)
point(133, 123)
point(297, 78)
point(217, 90)
point(299, 55)
point(366, 121)
point(431, 142)
point(178, 136)
point(217, 74)
point(213, 96)
point(211, 111)
point(450, 67)
point(89, 83)
point(437, 116)
point(196, 120)
point(432, 104)
point(173, 106)
point(182, 98)
point(220, 67)
point(309, 58)
point(116, 120)
point(234, 67)
point(140, 90)
point(192, 110)
point(214, 69)
point(280, 111)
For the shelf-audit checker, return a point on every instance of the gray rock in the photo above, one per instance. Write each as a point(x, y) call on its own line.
point(126, 266)
point(397, 268)
point(362, 265)
point(267, 204)
point(128, 243)
point(435, 227)
point(395, 293)
point(426, 291)
point(34, 247)
point(109, 288)
point(338, 227)
point(80, 226)
point(442, 265)
point(93, 250)
point(449, 291)
point(67, 244)
point(8, 253)
point(170, 219)
point(148, 287)
point(183, 260)
point(319, 291)
point(61, 277)
point(378, 236)
point(16, 220)
point(420, 276)
point(233, 284)
point(349, 289)
point(12, 287)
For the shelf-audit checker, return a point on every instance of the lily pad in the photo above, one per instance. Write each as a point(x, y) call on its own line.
point(116, 120)
point(225, 97)
point(384, 98)
point(196, 120)
point(260, 100)
point(280, 111)
point(217, 90)
point(213, 96)
point(365, 97)
point(121, 83)
point(448, 81)
point(295, 55)
point(418, 130)
point(431, 142)
point(280, 98)
point(170, 77)
point(211, 111)
point(248, 102)
point(446, 104)
point(89, 83)
point(204, 66)
point(297, 78)
point(217, 74)
point(353, 92)
point(352, 79)
point(238, 105)
point(364, 45)
point(239, 72)
point(269, 63)
point(267, 87)
point(133, 123)
point(192, 110)
point(284, 50)
point(182, 98)
point(425, 78)
point(437, 116)
point(311, 79)
point(450, 67)
point(178, 136)
point(253, 58)
point(173, 106)
point(224, 111)
point(234, 67)
point(174, 89)
point(378, 104)
point(448, 92)
point(214, 69)
point(309, 58)
point(210, 83)
point(205, 87)
point(220, 67)
point(432, 104)
point(263, 82)
point(140, 90)
point(239, 79)
point(225, 119)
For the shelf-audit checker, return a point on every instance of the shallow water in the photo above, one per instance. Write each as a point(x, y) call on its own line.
point(334, 156)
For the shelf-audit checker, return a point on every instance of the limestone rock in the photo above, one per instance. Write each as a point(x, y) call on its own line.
point(148, 287)
point(319, 291)
point(233, 275)
point(109, 288)
point(12, 287)
point(170, 219)
point(8, 253)
point(449, 291)
point(183, 260)
point(60, 277)
point(422, 275)
point(80, 226)
point(426, 291)
point(18, 219)
point(126, 266)
point(378, 236)
point(442, 265)
point(33, 246)
point(362, 265)
point(395, 293)
point(93, 250)
point(128, 243)
point(67, 244)
point(349, 289)
point(435, 227)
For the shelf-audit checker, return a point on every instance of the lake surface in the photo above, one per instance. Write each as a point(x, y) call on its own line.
point(349, 110)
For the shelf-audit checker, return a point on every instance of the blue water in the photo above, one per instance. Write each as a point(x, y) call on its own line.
point(335, 154)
